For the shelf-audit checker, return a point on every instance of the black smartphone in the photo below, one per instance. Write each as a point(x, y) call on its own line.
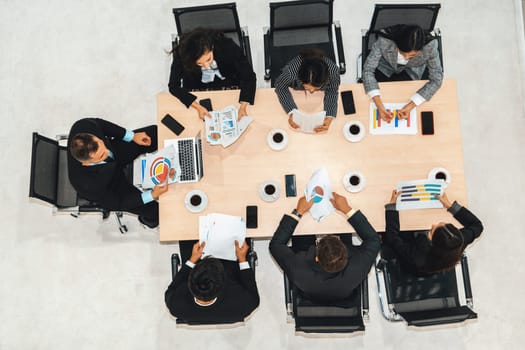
point(427, 123)
point(172, 124)
point(290, 185)
point(251, 216)
point(348, 102)
point(206, 103)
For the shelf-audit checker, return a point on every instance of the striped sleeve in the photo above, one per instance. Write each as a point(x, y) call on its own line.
point(285, 81)
point(331, 89)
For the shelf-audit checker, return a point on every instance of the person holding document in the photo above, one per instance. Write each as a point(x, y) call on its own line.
point(212, 290)
point(402, 52)
point(332, 269)
point(207, 60)
point(98, 152)
point(310, 71)
point(438, 249)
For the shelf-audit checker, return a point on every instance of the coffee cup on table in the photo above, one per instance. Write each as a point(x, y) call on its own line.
point(440, 174)
point(354, 131)
point(277, 139)
point(269, 190)
point(196, 201)
point(354, 181)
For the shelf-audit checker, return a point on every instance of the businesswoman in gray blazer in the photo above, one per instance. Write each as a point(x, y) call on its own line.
point(402, 52)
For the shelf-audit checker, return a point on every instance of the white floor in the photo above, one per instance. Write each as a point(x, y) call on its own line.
point(80, 284)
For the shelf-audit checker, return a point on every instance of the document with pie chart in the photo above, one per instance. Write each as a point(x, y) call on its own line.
point(159, 167)
point(319, 190)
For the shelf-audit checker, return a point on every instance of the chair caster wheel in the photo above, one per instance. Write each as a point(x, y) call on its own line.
point(123, 229)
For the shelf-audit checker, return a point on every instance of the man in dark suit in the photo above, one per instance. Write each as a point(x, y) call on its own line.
point(212, 290)
point(98, 152)
point(331, 270)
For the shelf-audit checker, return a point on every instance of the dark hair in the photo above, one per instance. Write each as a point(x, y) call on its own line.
point(196, 43)
point(82, 145)
point(447, 249)
point(332, 254)
point(206, 279)
point(407, 37)
point(313, 69)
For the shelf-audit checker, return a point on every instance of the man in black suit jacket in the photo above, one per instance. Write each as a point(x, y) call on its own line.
point(98, 152)
point(213, 290)
point(333, 269)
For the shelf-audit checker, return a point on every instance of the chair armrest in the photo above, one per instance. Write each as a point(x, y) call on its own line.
point(340, 49)
point(246, 43)
point(267, 57)
point(175, 263)
point(466, 281)
point(288, 296)
point(364, 299)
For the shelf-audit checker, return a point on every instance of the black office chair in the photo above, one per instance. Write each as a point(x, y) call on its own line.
point(296, 25)
point(344, 316)
point(50, 182)
point(422, 301)
point(175, 266)
point(423, 15)
point(222, 17)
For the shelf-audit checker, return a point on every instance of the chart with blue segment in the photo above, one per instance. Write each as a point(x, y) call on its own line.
point(397, 125)
point(419, 194)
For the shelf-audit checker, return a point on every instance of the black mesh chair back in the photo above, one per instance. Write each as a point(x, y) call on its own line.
point(343, 316)
point(49, 179)
point(424, 300)
point(296, 25)
point(221, 17)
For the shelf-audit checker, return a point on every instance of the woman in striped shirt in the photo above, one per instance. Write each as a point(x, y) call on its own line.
point(310, 71)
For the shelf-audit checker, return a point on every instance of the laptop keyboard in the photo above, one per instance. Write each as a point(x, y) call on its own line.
point(187, 165)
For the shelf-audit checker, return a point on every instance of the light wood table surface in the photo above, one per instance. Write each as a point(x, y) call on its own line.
point(232, 175)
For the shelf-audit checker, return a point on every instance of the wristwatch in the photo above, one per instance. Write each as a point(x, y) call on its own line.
point(296, 213)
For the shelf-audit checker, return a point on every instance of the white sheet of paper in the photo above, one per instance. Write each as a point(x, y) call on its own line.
point(220, 231)
point(396, 126)
point(417, 194)
point(154, 164)
point(322, 206)
point(307, 122)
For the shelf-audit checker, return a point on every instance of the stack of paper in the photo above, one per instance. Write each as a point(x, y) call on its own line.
point(319, 190)
point(223, 128)
point(220, 231)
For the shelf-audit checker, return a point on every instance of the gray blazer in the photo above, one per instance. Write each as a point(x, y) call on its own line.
point(383, 56)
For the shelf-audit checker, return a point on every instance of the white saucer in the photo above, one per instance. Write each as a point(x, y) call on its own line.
point(274, 145)
point(349, 136)
point(432, 176)
point(201, 206)
point(264, 196)
point(351, 188)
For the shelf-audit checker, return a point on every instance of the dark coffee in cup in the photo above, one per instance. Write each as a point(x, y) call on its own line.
point(354, 129)
point(354, 180)
point(269, 189)
point(195, 200)
point(278, 137)
point(441, 176)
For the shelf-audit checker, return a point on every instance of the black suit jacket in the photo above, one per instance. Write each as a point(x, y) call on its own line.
point(414, 253)
point(238, 299)
point(233, 65)
point(309, 277)
point(106, 184)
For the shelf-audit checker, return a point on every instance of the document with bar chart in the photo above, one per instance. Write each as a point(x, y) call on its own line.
point(419, 194)
point(396, 126)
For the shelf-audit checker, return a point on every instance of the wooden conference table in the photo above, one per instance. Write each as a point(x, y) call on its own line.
point(232, 175)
